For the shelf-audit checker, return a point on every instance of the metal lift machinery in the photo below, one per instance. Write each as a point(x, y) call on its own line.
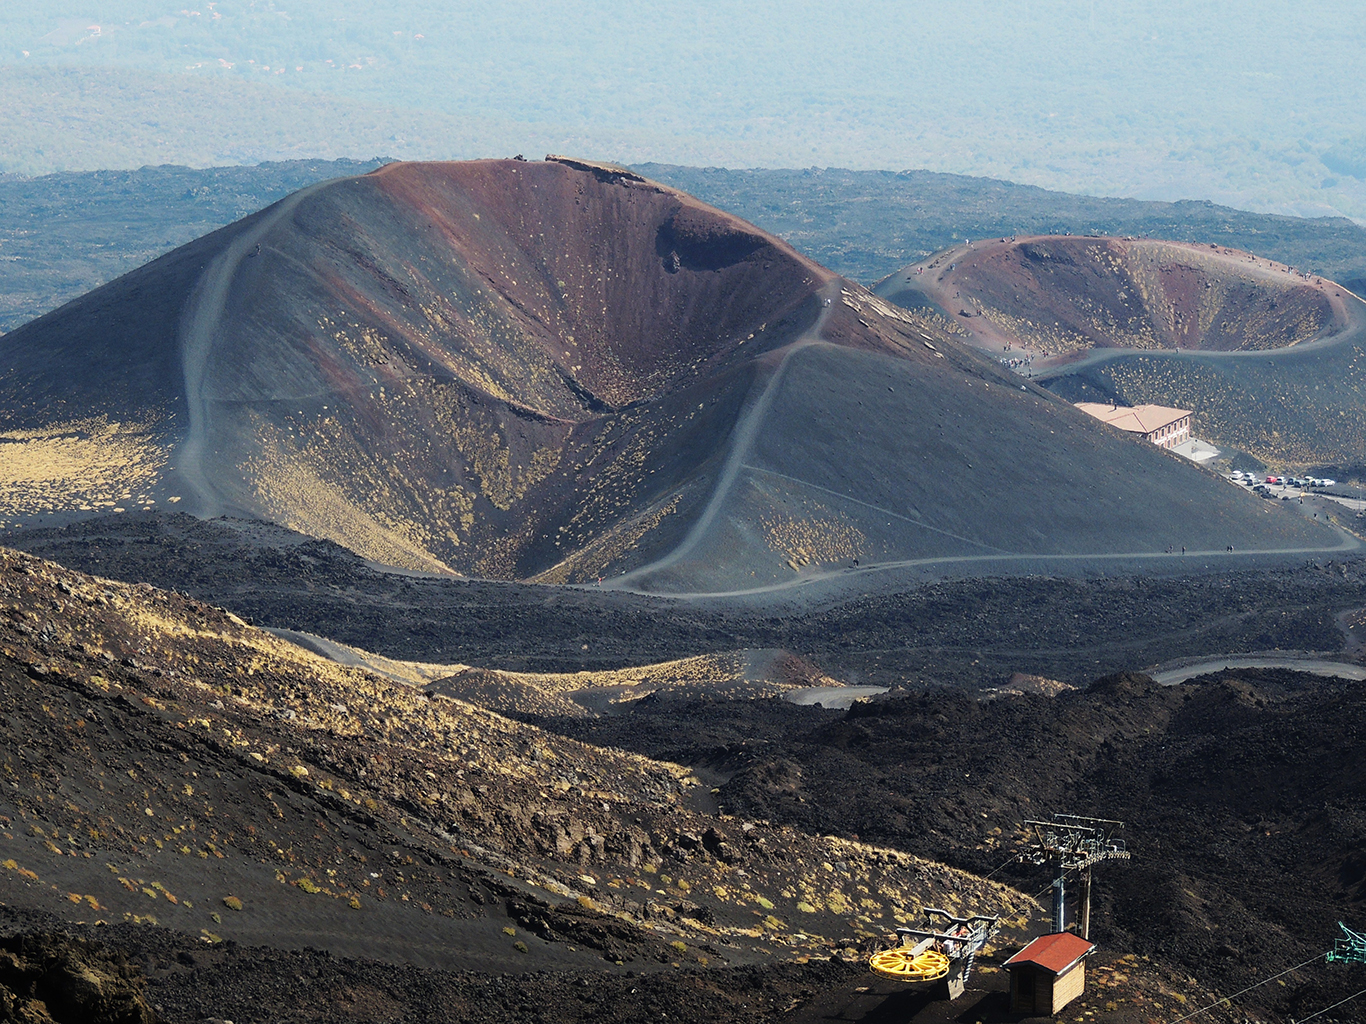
point(1074, 843)
point(1351, 949)
point(946, 950)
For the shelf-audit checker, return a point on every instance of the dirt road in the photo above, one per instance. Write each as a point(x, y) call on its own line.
point(987, 565)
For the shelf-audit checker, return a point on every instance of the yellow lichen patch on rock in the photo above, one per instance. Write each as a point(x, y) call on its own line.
point(1048, 338)
point(820, 537)
point(93, 464)
point(305, 488)
point(590, 562)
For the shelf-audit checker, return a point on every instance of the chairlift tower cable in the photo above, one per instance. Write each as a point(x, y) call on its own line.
point(1072, 842)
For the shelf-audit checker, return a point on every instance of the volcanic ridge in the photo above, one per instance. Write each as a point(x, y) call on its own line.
point(1272, 360)
point(562, 372)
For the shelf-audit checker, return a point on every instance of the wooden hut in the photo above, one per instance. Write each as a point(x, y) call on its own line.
point(1048, 973)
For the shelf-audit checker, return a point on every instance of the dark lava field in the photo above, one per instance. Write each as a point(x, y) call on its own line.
point(182, 765)
point(428, 598)
point(971, 633)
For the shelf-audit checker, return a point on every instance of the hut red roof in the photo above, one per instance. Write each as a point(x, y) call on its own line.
point(1054, 953)
point(1141, 419)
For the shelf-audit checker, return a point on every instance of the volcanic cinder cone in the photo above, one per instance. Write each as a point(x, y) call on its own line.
point(1268, 357)
point(561, 371)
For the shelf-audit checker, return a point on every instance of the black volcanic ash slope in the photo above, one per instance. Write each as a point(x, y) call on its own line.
point(169, 766)
point(561, 371)
point(1240, 792)
point(207, 799)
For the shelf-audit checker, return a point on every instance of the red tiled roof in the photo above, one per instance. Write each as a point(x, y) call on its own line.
point(1054, 953)
point(1141, 419)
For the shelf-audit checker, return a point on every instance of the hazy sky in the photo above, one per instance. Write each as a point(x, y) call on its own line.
point(1231, 101)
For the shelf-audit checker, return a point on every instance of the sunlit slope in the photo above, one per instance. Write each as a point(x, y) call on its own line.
point(478, 367)
point(863, 461)
point(560, 371)
point(1270, 360)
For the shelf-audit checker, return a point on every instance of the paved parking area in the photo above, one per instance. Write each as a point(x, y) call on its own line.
point(1308, 497)
point(1197, 450)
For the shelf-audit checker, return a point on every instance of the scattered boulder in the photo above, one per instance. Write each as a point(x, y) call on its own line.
point(53, 979)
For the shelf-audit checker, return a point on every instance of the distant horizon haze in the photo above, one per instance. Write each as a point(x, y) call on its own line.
point(1254, 105)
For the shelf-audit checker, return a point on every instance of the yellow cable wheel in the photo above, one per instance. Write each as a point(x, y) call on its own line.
point(901, 965)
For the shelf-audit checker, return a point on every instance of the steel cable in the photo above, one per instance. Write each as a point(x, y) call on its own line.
point(1228, 999)
point(1333, 1007)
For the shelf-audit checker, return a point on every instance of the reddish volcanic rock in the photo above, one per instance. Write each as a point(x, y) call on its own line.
point(563, 372)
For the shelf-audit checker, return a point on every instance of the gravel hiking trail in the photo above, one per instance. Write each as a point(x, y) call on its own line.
point(741, 445)
point(992, 564)
point(198, 327)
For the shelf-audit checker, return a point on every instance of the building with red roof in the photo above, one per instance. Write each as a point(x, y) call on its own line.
point(1048, 973)
point(1160, 424)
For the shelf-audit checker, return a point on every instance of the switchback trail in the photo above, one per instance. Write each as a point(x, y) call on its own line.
point(742, 443)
